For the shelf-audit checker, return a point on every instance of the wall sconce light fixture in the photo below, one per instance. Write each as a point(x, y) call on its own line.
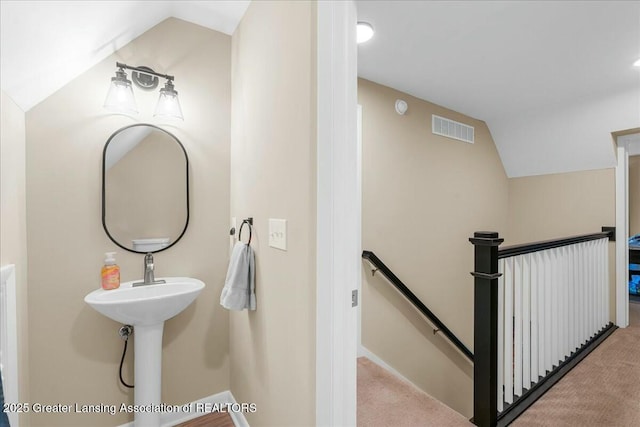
point(120, 96)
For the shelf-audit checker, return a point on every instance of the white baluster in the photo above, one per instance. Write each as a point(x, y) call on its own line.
point(501, 336)
point(548, 319)
point(561, 302)
point(579, 291)
point(588, 290)
point(566, 351)
point(508, 330)
point(534, 317)
point(517, 308)
point(573, 300)
point(592, 289)
point(555, 318)
point(597, 292)
point(583, 294)
point(606, 281)
point(526, 321)
point(542, 319)
point(594, 279)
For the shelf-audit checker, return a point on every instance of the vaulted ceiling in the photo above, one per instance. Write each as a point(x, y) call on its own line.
point(46, 44)
point(552, 79)
point(496, 59)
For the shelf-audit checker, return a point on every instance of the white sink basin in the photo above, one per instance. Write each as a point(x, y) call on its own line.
point(146, 308)
point(146, 305)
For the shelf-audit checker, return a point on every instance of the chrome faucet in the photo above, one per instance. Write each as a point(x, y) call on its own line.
point(148, 272)
point(148, 268)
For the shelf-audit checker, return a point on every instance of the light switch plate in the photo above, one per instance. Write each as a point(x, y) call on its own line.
point(278, 233)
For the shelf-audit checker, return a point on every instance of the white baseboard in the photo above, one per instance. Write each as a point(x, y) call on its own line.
point(224, 397)
point(365, 352)
point(238, 417)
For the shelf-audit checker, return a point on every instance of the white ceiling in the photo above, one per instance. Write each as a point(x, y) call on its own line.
point(491, 59)
point(552, 79)
point(46, 44)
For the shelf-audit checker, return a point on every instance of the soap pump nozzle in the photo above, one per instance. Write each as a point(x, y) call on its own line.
point(109, 258)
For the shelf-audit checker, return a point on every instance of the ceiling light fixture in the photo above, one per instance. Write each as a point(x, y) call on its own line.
point(120, 96)
point(364, 32)
point(637, 63)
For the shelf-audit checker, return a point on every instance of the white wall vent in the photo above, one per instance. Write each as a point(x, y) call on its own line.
point(452, 129)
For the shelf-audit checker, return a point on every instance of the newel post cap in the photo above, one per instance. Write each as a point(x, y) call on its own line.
point(486, 238)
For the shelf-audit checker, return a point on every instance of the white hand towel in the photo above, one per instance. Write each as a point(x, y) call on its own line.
point(239, 287)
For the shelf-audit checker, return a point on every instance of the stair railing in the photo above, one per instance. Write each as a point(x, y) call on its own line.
point(422, 308)
point(539, 309)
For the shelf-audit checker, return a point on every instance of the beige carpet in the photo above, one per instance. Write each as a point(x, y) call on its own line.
point(602, 390)
point(386, 401)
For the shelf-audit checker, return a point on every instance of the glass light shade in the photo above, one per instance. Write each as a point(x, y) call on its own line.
point(168, 103)
point(120, 96)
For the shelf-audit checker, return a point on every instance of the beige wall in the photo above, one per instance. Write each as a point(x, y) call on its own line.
point(423, 196)
point(74, 350)
point(559, 205)
point(273, 164)
point(634, 195)
point(549, 206)
point(13, 224)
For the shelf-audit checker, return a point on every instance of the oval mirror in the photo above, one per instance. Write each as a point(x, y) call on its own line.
point(145, 188)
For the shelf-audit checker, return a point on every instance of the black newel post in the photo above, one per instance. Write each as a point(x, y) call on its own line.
point(485, 332)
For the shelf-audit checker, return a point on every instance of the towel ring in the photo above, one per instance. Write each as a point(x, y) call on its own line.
point(248, 221)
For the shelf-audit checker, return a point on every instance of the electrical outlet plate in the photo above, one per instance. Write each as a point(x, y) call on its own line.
point(278, 233)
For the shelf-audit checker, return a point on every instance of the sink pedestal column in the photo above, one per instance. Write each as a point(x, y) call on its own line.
point(148, 373)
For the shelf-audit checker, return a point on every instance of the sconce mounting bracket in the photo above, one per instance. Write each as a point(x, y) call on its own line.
point(144, 80)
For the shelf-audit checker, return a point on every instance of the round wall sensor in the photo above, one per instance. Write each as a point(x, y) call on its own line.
point(401, 107)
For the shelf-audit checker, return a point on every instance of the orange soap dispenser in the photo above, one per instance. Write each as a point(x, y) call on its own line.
point(110, 272)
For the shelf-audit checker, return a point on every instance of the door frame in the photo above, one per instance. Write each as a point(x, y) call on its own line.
point(338, 214)
point(626, 145)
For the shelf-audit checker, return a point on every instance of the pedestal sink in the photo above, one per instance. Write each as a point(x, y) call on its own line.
point(146, 308)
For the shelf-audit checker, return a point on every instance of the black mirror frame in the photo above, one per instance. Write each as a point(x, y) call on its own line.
point(104, 209)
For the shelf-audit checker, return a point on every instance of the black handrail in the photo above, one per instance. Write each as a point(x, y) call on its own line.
point(527, 248)
point(376, 262)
